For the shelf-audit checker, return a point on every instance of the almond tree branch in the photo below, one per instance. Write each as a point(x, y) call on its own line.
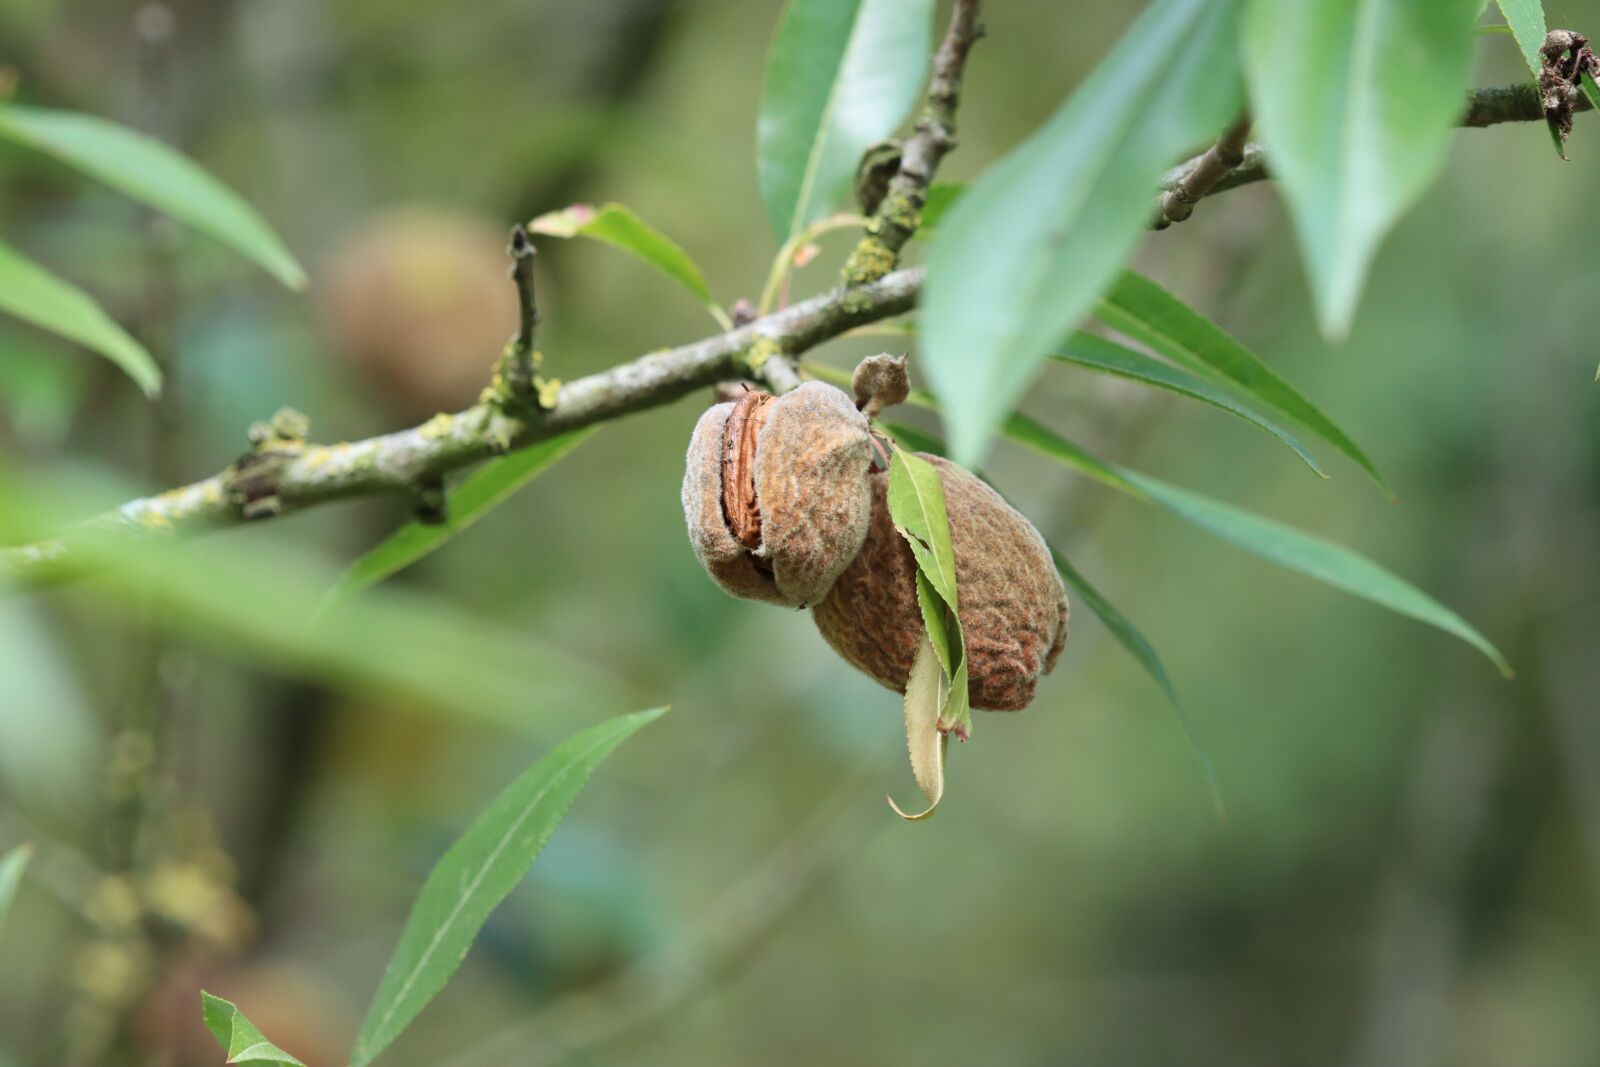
point(301, 475)
point(895, 218)
point(1489, 106)
point(1202, 175)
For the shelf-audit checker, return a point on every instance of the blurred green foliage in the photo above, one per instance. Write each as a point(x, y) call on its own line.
point(1409, 869)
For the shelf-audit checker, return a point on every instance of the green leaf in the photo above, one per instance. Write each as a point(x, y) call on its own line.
point(1120, 626)
point(1022, 256)
point(476, 874)
point(238, 1036)
point(916, 503)
point(915, 440)
point(1525, 19)
point(11, 868)
point(1140, 648)
point(480, 493)
point(40, 392)
point(1315, 557)
point(147, 170)
point(942, 196)
point(841, 75)
point(1590, 89)
point(917, 508)
point(255, 599)
point(1144, 311)
point(34, 295)
point(1356, 101)
point(1312, 556)
point(787, 258)
point(1024, 431)
point(618, 226)
point(1096, 353)
point(1558, 142)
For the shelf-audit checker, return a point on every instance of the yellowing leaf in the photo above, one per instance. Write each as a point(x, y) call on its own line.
point(923, 739)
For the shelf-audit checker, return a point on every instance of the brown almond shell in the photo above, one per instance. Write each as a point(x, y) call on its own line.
point(813, 454)
point(1013, 605)
point(812, 461)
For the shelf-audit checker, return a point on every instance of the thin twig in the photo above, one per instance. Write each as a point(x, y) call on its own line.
point(1489, 106)
point(1177, 202)
point(897, 216)
point(521, 362)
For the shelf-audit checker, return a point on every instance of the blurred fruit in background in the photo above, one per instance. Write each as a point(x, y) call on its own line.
point(417, 302)
point(299, 1009)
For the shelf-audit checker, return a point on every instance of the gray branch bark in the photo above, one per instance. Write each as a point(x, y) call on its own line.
point(1489, 106)
point(396, 462)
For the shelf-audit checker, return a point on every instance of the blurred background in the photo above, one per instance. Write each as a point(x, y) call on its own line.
point(1410, 866)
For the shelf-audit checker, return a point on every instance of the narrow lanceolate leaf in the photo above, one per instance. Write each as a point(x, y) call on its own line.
point(917, 508)
point(841, 75)
point(1098, 354)
point(147, 170)
point(1315, 557)
point(1022, 255)
point(1140, 648)
point(936, 692)
point(1355, 101)
point(476, 874)
point(1310, 555)
point(11, 867)
point(1591, 91)
point(254, 599)
point(916, 503)
point(1526, 19)
point(238, 1036)
point(484, 490)
point(925, 743)
point(1144, 311)
point(34, 295)
point(942, 196)
point(909, 437)
point(619, 226)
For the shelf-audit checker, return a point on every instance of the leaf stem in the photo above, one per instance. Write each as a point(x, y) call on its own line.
point(783, 261)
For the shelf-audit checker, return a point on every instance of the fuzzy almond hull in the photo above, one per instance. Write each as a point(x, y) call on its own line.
point(1013, 605)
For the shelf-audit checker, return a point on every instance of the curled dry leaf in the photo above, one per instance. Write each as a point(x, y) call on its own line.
point(924, 740)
